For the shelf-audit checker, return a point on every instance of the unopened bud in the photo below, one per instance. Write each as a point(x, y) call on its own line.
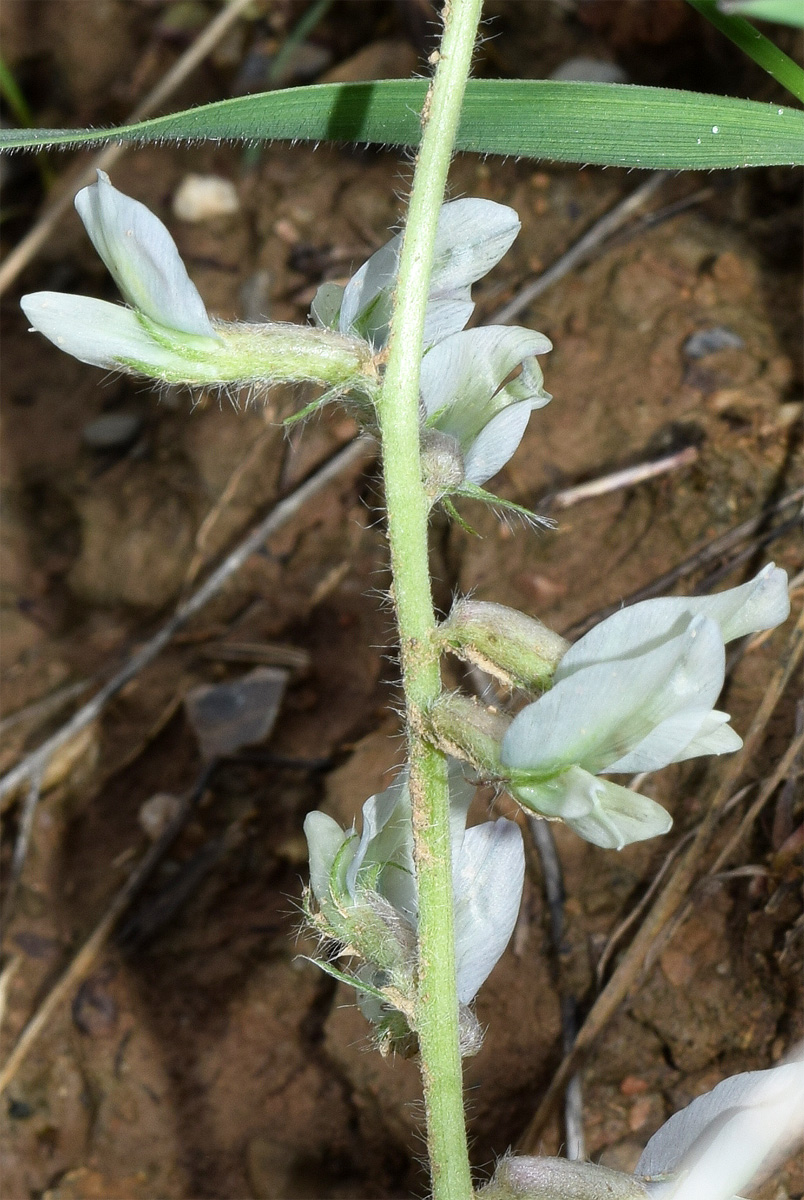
point(468, 730)
point(519, 651)
point(559, 1179)
point(442, 463)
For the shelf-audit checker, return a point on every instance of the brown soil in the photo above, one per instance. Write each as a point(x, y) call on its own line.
point(205, 1056)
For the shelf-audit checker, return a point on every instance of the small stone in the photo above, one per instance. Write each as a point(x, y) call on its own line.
point(227, 716)
point(708, 341)
point(200, 197)
point(583, 69)
point(156, 814)
point(632, 1085)
point(112, 431)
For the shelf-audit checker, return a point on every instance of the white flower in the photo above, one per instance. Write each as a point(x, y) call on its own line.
point(472, 236)
point(634, 694)
point(718, 1142)
point(166, 333)
point(465, 397)
point(349, 872)
point(142, 258)
point(145, 264)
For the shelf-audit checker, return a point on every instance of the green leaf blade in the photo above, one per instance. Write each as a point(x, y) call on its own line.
point(603, 124)
point(753, 43)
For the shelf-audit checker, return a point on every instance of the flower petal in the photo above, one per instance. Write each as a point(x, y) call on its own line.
point(472, 236)
point(94, 331)
point(760, 604)
point(366, 309)
point(599, 811)
point(715, 736)
point(386, 844)
point(529, 384)
point(142, 258)
point(462, 377)
point(324, 839)
point(446, 315)
point(497, 443)
point(599, 714)
point(326, 307)
point(487, 882)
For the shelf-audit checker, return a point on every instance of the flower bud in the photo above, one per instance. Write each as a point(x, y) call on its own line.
point(518, 650)
point(442, 463)
point(469, 730)
point(528, 1178)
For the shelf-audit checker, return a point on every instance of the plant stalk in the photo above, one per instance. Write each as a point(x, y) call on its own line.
point(407, 504)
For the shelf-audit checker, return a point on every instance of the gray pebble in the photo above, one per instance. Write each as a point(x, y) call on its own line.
point(709, 341)
point(112, 431)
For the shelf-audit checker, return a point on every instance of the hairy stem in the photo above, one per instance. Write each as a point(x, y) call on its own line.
point(407, 502)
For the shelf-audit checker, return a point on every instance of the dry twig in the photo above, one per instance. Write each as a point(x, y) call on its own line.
point(22, 842)
point(617, 480)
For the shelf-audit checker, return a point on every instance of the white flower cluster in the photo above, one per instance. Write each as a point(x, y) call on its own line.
point(364, 886)
point(633, 695)
point(472, 421)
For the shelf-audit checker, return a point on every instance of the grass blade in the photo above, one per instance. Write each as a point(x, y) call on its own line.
point(753, 43)
point(606, 124)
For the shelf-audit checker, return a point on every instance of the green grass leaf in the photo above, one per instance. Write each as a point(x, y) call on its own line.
point(753, 43)
point(784, 12)
point(606, 124)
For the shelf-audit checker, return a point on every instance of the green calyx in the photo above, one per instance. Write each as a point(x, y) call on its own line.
point(466, 729)
point(516, 649)
point(243, 354)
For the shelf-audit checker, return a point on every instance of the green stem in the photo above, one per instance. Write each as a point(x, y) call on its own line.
point(753, 43)
point(407, 503)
